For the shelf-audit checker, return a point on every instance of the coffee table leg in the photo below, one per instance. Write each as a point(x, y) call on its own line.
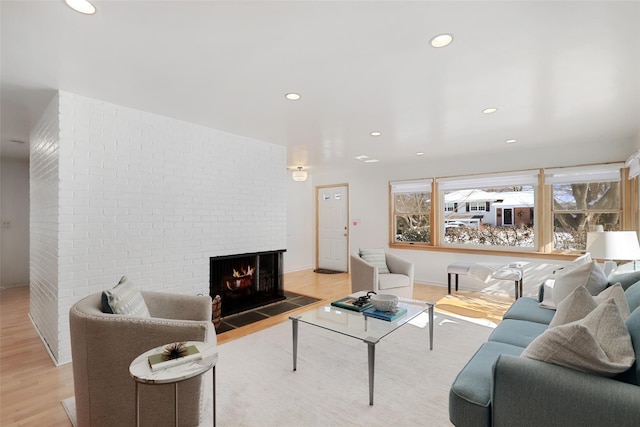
point(371, 347)
point(294, 326)
point(431, 326)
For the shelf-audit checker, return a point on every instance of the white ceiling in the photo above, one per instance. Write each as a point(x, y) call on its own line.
point(559, 72)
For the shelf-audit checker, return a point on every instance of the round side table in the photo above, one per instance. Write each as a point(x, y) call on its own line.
point(141, 372)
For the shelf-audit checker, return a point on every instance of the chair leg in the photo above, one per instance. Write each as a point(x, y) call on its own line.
point(449, 283)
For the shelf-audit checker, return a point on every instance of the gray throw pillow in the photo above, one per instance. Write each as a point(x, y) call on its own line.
point(599, 344)
point(376, 258)
point(576, 306)
point(580, 303)
point(126, 299)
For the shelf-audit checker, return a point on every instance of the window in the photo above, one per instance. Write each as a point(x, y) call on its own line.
point(543, 210)
point(411, 211)
point(583, 198)
point(499, 210)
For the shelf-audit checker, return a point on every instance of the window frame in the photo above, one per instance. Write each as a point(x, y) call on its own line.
point(543, 212)
point(409, 187)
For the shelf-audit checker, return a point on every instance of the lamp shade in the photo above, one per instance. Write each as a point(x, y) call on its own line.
point(299, 175)
point(613, 245)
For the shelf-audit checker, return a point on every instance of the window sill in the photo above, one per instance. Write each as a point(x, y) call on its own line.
point(566, 256)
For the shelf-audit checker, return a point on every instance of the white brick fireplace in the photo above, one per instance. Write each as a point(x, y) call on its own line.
point(116, 191)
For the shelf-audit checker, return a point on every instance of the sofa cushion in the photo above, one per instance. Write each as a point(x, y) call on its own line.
point(391, 281)
point(625, 277)
point(633, 296)
point(591, 276)
point(470, 394)
point(517, 332)
point(126, 299)
point(528, 309)
point(632, 376)
point(376, 258)
point(599, 344)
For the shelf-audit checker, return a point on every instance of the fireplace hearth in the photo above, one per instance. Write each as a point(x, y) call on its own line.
point(246, 281)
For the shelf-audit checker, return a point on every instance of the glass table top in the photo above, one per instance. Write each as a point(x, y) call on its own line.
point(356, 324)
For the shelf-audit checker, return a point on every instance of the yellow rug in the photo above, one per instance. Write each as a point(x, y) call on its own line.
point(489, 307)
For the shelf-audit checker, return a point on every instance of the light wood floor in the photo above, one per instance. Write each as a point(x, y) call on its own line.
point(31, 387)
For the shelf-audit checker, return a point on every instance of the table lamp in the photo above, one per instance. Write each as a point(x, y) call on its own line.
point(613, 245)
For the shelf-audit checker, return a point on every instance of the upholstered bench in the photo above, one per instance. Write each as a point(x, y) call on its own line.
point(506, 272)
point(457, 268)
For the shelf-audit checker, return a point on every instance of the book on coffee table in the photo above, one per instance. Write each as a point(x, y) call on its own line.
point(385, 315)
point(160, 361)
point(348, 303)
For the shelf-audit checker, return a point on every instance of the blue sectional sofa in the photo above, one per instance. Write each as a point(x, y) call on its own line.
point(499, 387)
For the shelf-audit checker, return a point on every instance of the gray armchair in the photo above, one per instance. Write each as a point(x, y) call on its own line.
point(365, 276)
point(104, 345)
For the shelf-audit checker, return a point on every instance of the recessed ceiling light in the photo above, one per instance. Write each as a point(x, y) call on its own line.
point(441, 40)
point(371, 161)
point(82, 6)
point(376, 133)
point(363, 157)
point(490, 110)
point(419, 153)
point(293, 96)
point(510, 141)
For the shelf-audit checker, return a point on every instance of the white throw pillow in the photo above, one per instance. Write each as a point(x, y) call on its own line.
point(599, 344)
point(591, 276)
point(376, 258)
point(547, 294)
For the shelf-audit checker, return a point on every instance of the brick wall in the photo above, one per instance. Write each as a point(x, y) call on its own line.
point(43, 223)
point(153, 198)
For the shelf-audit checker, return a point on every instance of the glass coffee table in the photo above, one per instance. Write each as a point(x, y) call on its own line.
point(358, 326)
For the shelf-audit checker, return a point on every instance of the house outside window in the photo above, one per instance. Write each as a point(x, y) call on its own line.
point(499, 210)
point(584, 198)
point(411, 211)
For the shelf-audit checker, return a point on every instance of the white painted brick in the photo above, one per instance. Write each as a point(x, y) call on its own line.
point(143, 203)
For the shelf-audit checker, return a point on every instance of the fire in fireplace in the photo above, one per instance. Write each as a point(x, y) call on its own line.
point(246, 281)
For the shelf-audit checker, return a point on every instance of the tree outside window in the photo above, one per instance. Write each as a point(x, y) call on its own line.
point(411, 212)
point(583, 198)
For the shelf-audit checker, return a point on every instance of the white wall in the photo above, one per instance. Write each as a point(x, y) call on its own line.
point(369, 202)
point(14, 214)
point(154, 198)
point(300, 253)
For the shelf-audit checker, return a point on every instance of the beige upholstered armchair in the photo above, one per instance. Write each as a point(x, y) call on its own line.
point(367, 275)
point(104, 345)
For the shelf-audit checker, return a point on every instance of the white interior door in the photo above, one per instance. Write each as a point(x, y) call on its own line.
point(333, 227)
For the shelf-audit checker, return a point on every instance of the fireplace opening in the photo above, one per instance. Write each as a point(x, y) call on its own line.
point(246, 281)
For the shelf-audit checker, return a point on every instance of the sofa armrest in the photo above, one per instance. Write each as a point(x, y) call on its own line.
point(177, 306)
point(399, 265)
point(529, 392)
point(364, 276)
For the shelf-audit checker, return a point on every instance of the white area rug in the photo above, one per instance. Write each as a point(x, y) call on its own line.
point(256, 385)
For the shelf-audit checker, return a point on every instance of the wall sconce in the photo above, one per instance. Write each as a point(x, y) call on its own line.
point(299, 174)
